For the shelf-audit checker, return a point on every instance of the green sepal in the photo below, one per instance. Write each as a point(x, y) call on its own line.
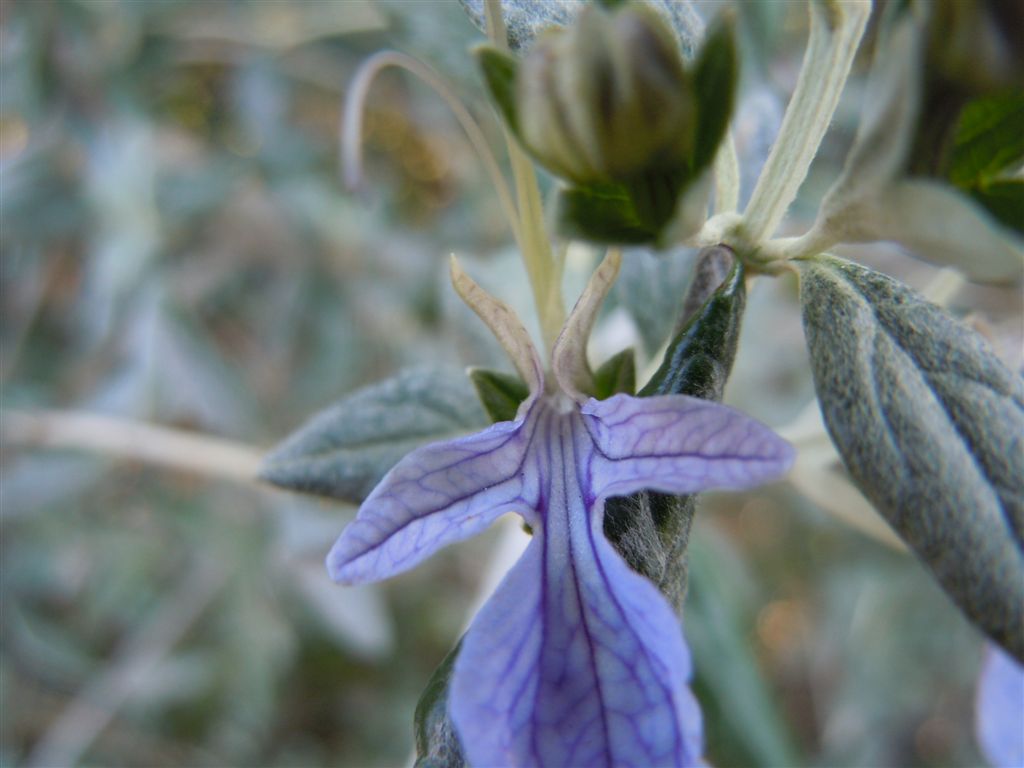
point(715, 77)
point(601, 213)
point(617, 374)
point(499, 393)
point(697, 363)
point(699, 359)
point(499, 71)
point(437, 745)
point(655, 196)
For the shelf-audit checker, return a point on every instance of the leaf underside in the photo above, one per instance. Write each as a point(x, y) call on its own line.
point(344, 451)
point(930, 425)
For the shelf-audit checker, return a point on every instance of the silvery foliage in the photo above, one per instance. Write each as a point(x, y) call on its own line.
point(526, 19)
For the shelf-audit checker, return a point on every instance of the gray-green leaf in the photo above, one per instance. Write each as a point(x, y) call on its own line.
point(930, 425)
point(525, 19)
point(344, 451)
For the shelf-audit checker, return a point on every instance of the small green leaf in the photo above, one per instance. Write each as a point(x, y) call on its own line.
point(930, 425)
point(715, 79)
point(988, 148)
point(699, 359)
point(617, 374)
point(989, 139)
point(499, 71)
point(499, 393)
point(344, 451)
point(437, 745)
point(602, 213)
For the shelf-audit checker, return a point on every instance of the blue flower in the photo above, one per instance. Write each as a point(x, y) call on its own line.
point(1000, 710)
point(576, 659)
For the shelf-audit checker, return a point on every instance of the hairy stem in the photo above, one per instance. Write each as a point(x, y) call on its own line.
point(836, 30)
point(727, 177)
point(133, 441)
point(352, 122)
point(543, 269)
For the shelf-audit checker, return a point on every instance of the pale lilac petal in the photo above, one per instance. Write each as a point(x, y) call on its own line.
point(678, 444)
point(437, 495)
point(576, 660)
point(1000, 710)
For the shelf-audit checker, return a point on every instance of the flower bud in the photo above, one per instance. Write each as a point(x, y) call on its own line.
point(608, 98)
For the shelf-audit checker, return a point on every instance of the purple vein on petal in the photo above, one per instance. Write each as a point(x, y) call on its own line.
point(435, 496)
point(678, 444)
point(576, 660)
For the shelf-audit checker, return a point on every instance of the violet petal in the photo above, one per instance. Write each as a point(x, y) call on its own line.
point(1000, 710)
point(576, 659)
point(679, 444)
point(437, 495)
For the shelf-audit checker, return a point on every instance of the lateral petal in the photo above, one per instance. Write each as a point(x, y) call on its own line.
point(679, 444)
point(435, 496)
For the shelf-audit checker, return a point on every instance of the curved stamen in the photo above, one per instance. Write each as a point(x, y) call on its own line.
point(352, 124)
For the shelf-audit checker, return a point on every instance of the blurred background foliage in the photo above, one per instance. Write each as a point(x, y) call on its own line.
point(177, 250)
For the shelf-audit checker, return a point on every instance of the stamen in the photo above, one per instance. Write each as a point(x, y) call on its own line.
point(355, 106)
point(569, 356)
